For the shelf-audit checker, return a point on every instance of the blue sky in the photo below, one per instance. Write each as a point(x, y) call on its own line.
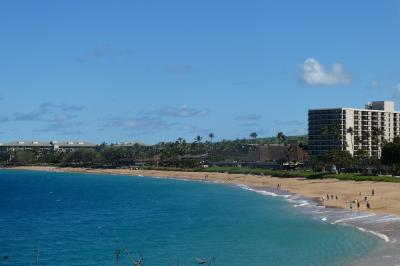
point(152, 71)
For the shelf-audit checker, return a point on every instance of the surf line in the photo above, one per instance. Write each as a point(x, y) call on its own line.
point(354, 218)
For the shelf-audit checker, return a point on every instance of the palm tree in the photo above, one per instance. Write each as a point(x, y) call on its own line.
point(332, 131)
point(377, 135)
point(198, 139)
point(350, 130)
point(211, 136)
point(253, 135)
point(357, 141)
point(280, 137)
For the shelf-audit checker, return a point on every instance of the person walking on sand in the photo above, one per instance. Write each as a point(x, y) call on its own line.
point(368, 205)
point(358, 205)
point(373, 192)
point(351, 206)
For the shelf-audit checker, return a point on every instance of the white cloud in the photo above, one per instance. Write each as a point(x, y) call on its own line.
point(314, 73)
point(375, 84)
point(397, 91)
point(183, 111)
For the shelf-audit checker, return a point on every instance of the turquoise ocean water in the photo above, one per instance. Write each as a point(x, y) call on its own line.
point(82, 219)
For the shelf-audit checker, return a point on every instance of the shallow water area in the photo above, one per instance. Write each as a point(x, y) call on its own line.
point(384, 227)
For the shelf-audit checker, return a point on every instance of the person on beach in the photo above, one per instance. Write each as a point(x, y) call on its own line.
point(368, 205)
point(337, 197)
point(365, 198)
point(327, 197)
point(351, 206)
point(373, 192)
point(358, 205)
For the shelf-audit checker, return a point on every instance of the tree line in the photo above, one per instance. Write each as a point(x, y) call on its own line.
point(178, 153)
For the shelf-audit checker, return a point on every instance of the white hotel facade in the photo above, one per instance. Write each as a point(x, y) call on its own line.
point(352, 129)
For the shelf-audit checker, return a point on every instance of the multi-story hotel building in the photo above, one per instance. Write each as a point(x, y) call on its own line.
point(352, 129)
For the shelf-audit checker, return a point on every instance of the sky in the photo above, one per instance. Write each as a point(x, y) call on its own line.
point(150, 71)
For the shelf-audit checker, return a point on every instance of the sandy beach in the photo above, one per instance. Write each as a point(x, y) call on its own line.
point(385, 201)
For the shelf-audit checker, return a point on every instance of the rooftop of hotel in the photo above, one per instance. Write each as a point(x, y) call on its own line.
point(378, 106)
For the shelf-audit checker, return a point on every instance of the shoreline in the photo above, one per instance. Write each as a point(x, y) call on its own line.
point(385, 201)
point(301, 194)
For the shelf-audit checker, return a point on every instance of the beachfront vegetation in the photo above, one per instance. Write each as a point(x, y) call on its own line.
point(179, 153)
point(301, 173)
point(232, 156)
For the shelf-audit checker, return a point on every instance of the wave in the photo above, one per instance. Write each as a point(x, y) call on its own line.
point(365, 222)
point(380, 235)
point(263, 192)
point(354, 218)
point(328, 215)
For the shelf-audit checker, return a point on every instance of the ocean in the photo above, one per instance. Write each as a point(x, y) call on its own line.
point(92, 219)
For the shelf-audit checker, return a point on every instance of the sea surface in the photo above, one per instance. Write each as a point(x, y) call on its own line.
point(89, 219)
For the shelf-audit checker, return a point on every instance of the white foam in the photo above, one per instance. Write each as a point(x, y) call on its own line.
point(354, 218)
point(302, 203)
point(263, 192)
point(380, 235)
point(297, 201)
point(386, 219)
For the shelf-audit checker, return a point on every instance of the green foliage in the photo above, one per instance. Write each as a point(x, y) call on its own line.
point(253, 135)
point(280, 137)
point(166, 154)
point(342, 159)
point(301, 174)
point(391, 152)
point(82, 157)
point(24, 157)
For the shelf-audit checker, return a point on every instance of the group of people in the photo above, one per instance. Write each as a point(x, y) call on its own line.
point(352, 204)
point(330, 197)
point(357, 202)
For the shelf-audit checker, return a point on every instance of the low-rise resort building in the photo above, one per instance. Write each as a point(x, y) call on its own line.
point(46, 145)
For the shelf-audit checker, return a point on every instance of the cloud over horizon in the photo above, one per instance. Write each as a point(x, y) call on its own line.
point(58, 118)
point(183, 111)
point(158, 120)
point(289, 123)
point(248, 117)
point(313, 73)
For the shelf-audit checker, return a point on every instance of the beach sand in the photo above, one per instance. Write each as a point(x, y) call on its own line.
point(385, 201)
